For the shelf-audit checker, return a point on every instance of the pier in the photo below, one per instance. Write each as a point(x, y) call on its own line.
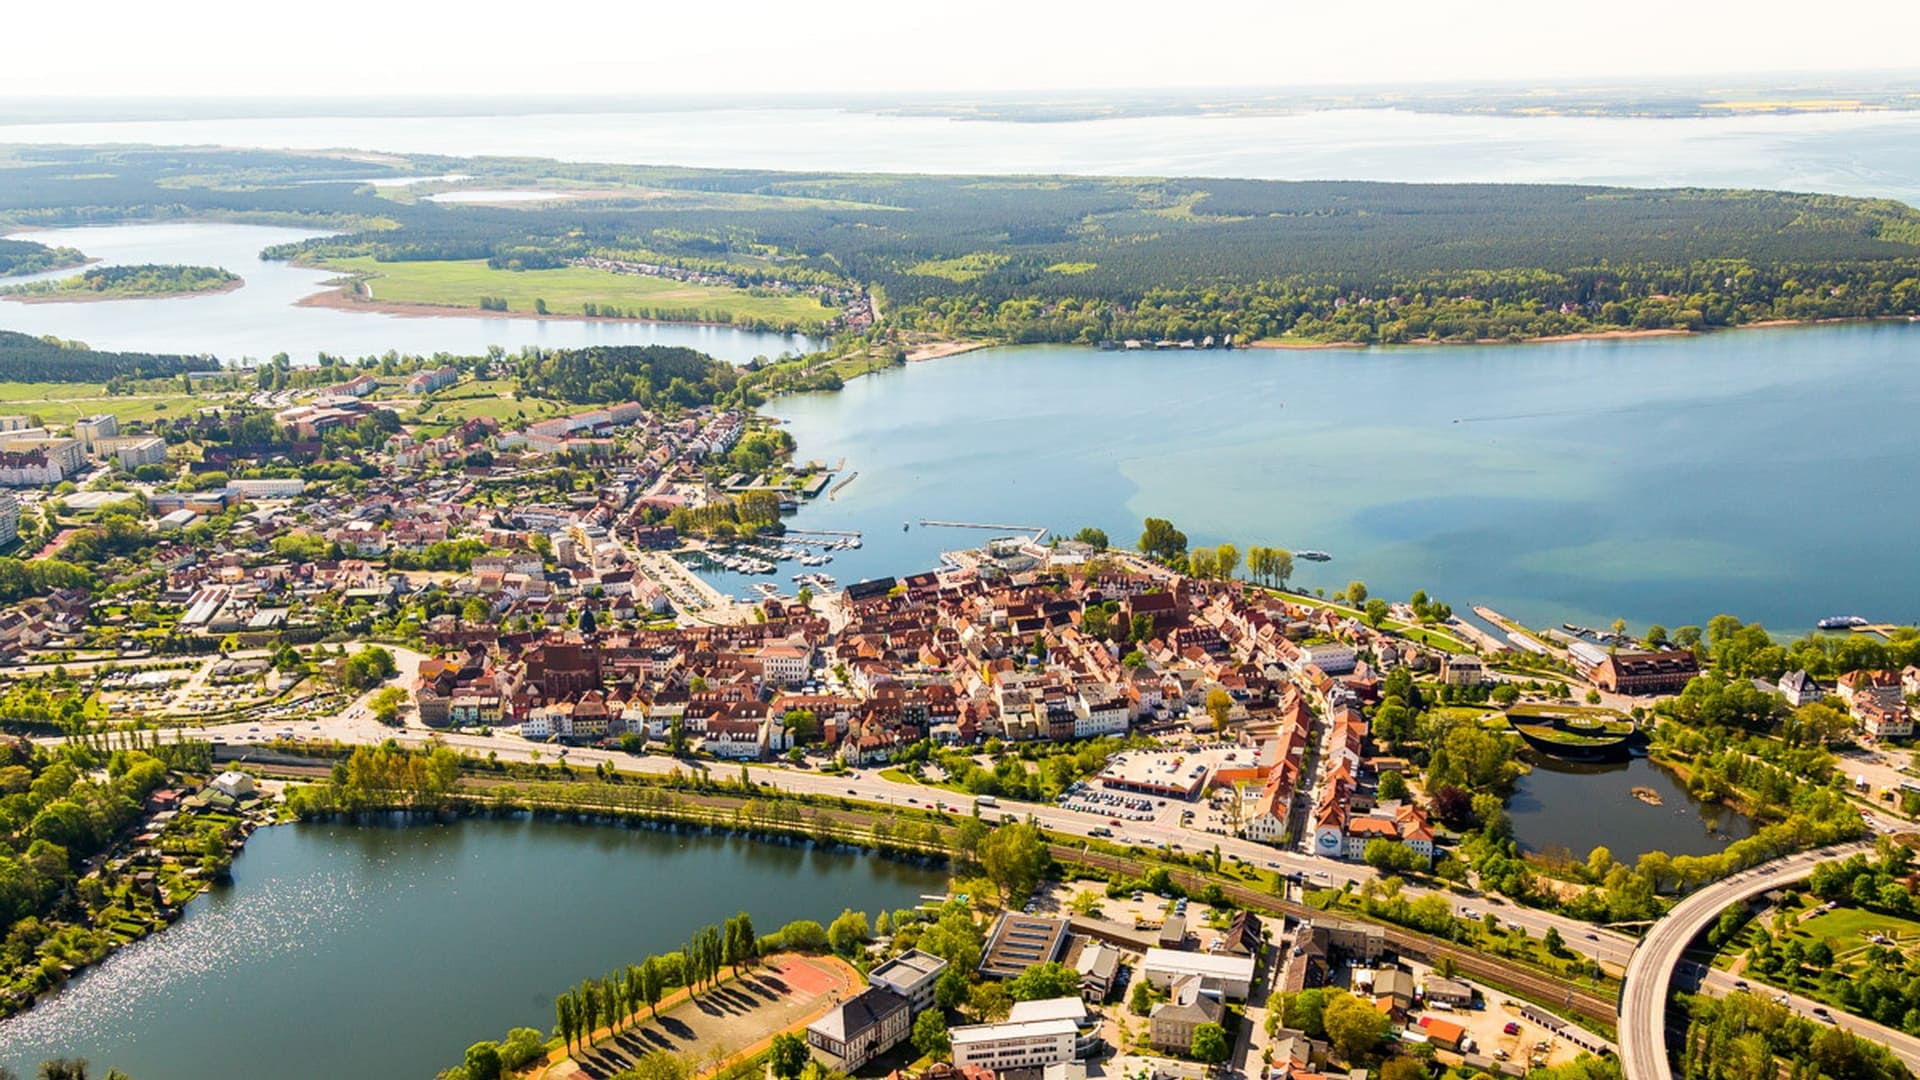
point(851, 534)
point(835, 490)
point(1037, 530)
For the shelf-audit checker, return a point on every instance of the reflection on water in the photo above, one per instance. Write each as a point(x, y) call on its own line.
point(386, 951)
point(1563, 808)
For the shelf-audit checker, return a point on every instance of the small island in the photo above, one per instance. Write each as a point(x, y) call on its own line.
point(148, 280)
point(18, 258)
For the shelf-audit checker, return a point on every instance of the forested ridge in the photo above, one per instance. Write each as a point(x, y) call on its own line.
point(24, 358)
point(1092, 259)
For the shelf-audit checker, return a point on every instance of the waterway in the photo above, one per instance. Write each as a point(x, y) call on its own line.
point(1570, 809)
point(1864, 153)
point(1656, 479)
point(261, 318)
point(385, 951)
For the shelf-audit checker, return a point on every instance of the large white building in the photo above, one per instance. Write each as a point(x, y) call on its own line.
point(1229, 976)
point(1030, 1044)
point(9, 516)
point(1096, 714)
point(913, 975)
point(274, 488)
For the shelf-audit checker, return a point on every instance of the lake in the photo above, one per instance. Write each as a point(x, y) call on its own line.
point(1567, 808)
point(1654, 479)
point(260, 318)
point(385, 951)
point(1861, 153)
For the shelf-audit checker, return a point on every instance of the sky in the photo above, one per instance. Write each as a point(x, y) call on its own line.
point(408, 47)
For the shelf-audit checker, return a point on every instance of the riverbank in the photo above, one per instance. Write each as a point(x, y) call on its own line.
point(1583, 335)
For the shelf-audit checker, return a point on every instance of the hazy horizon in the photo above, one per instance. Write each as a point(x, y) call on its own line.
point(120, 48)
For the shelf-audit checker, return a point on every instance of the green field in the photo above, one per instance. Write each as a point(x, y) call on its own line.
point(462, 283)
point(1847, 928)
point(488, 397)
point(63, 403)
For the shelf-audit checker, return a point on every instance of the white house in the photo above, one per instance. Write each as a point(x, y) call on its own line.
point(1229, 976)
point(234, 784)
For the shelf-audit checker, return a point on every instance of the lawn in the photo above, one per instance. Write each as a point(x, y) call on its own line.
point(491, 398)
point(1847, 928)
point(63, 403)
point(461, 283)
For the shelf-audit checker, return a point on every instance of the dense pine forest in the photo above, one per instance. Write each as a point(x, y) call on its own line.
point(30, 359)
point(1076, 258)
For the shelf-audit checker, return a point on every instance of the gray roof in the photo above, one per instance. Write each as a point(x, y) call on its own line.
point(864, 1010)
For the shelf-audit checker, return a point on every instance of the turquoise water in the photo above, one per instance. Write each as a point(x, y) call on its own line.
point(1762, 472)
point(386, 951)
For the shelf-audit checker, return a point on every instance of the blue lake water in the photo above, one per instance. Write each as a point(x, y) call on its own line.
point(1762, 472)
point(386, 951)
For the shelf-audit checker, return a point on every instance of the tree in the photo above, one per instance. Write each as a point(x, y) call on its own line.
point(1656, 636)
point(564, 1019)
point(1356, 593)
point(1097, 538)
point(1160, 540)
point(483, 1061)
point(1393, 786)
point(1014, 856)
point(1219, 707)
point(1209, 1044)
point(788, 1055)
point(1044, 981)
point(849, 933)
point(1376, 611)
point(1306, 1011)
point(989, 1001)
point(653, 984)
point(930, 1034)
point(1403, 1068)
point(1226, 559)
point(951, 991)
point(658, 1065)
point(1140, 999)
point(1354, 1026)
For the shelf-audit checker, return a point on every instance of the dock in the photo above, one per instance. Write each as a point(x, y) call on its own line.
point(1037, 530)
point(851, 534)
point(1516, 633)
point(834, 491)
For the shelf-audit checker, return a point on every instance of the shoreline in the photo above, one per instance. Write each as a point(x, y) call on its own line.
point(337, 298)
point(98, 298)
point(1622, 334)
point(342, 293)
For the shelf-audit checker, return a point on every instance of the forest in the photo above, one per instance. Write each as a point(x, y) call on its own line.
point(24, 358)
point(1062, 258)
point(21, 257)
point(146, 279)
point(648, 374)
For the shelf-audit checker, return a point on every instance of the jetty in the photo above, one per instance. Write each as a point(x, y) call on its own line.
point(834, 491)
point(1038, 531)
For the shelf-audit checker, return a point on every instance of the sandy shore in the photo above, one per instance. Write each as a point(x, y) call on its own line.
point(934, 350)
point(95, 298)
point(1585, 335)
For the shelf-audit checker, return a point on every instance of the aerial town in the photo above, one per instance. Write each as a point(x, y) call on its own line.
point(1252, 810)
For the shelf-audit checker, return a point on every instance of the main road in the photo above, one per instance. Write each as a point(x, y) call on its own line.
point(1649, 979)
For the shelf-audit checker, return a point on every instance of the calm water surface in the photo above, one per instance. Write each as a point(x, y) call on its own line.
point(260, 318)
point(369, 951)
point(1874, 154)
point(1659, 480)
point(1566, 808)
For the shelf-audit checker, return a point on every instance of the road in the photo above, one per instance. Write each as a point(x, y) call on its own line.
point(1721, 983)
point(1650, 972)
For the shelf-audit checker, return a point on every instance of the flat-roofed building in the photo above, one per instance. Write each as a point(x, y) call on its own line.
point(913, 975)
point(1229, 976)
point(1018, 942)
point(1030, 1044)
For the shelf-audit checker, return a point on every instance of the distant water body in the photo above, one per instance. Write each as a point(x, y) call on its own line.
point(261, 318)
point(1873, 154)
point(1759, 472)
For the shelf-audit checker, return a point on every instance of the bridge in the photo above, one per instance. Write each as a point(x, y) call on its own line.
point(1649, 978)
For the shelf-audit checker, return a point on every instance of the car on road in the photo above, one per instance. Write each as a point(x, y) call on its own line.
point(1741, 984)
point(853, 791)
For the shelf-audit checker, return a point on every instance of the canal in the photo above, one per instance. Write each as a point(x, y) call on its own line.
point(1566, 809)
point(385, 951)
